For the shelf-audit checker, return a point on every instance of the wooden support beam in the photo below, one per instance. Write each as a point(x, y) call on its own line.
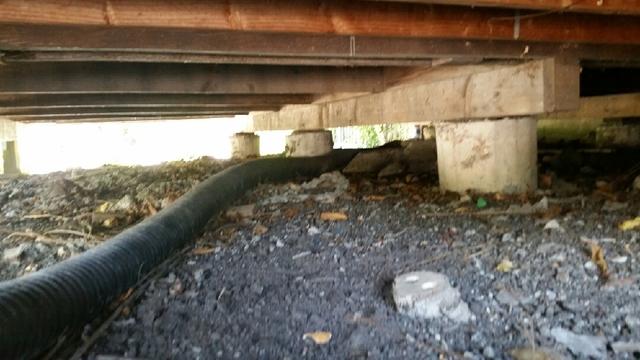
point(71, 101)
point(124, 116)
point(129, 118)
point(535, 87)
point(330, 17)
point(83, 78)
point(603, 107)
point(26, 43)
point(628, 7)
point(13, 112)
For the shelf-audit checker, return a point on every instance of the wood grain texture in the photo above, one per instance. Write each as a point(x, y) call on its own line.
point(329, 17)
point(83, 78)
point(628, 7)
point(490, 92)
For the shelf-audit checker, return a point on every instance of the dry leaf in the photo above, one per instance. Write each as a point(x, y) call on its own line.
point(333, 216)
point(260, 229)
point(630, 224)
point(318, 337)
point(597, 256)
point(202, 250)
point(505, 266)
point(104, 207)
point(290, 213)
point(374, 198)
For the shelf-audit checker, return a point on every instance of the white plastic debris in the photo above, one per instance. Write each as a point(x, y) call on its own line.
point(553, 225)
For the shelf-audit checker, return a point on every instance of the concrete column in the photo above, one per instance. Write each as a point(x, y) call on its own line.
point(10, 163)
point(488, 156)
point(302, 143)
point(245, 145)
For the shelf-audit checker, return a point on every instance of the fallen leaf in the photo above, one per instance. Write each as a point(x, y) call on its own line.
point(290, 213)
point(318, 337)
point(103, 207)
point(260, 229)
point(202, 250)
point(333, 216)
point(505, 266)
point(374, 198)
point(630, 224)
point(597, 256)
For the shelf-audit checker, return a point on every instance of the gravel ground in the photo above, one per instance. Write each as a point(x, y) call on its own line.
point(48, 218)
point(253, 287)
point(289, 264)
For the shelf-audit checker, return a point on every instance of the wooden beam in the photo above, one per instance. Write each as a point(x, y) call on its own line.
point(71, 43)
point(121, 109)
point(329, 17)
point(83, 78)
point(626, 7)
point(123, 115)
point(109, 56)
point(490, 92)
point(129, 118)
point(603, 107)
point(70, 101)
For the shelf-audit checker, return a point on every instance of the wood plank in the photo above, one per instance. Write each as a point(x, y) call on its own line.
point(329, 17)
point(628, 7)
point(123, 116)
point(122, 109)
point(108, 56)
point(59, 101)
point(603, 107)
point(126, 118)
point(257, 47)
point(85, 78)
point(509, 90)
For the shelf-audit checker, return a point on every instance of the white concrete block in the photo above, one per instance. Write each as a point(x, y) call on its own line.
point(245, 145)
point(303, 143)
point(488, 156)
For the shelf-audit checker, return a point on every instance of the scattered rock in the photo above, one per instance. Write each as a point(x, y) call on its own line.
point(581, 345)
point(553, 225)
point(625, 347)
point(313, 231)
point(241, 212)
point(611, 206)
point(424, 294)
point(13, 254)
point(124, 204)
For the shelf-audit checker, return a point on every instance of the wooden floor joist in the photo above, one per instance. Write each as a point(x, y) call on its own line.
point(535, 87)
point(333, 17)
point(32, 43)
point(84, 78)
point(71, 101)
point(603, 107)
point(629, 7)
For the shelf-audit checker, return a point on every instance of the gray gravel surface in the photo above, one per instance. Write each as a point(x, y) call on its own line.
point(48, 218)
point(284, 272)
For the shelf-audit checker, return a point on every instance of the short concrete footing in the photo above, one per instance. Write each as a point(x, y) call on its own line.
point(488, 156)
point(245, 145)
point(9, 164)
point(303, 143)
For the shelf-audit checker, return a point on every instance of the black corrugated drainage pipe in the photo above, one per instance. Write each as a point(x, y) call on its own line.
point(35, 309)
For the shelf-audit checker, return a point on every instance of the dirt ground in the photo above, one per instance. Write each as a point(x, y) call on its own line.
point(305, 270)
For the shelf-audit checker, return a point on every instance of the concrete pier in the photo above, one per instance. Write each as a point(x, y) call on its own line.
point(245, 145)
point(488, 156)
point(304, 143)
